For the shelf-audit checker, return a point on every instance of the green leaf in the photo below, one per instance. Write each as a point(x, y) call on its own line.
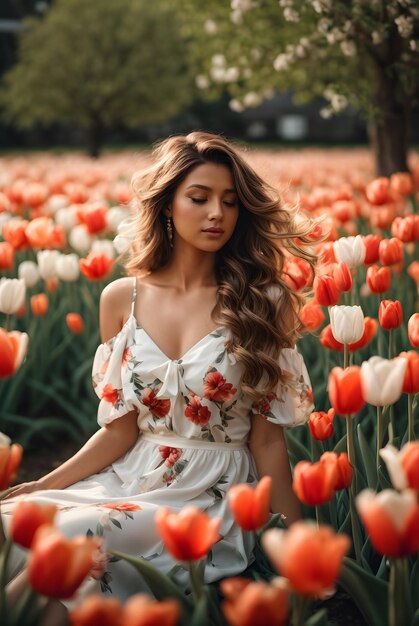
point(368, 459)
point(415, 621)
point(414, 585)
point(369, 593)
point(200, 614)
point(318, 619)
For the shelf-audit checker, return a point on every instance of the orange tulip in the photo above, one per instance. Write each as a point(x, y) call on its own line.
point(56, 565)
point(249, 603)
point(75, 323)
point(372, 244)
point(370, 329)
point(310, 557)
point(321, 424)
point(95, 218)
point(14, 232)
point(10, 458)
point(390, 314)
point(378, 192)
point(39, 232)
point(413, 330)
point(411, 376)
point(343, 470)
point(327, 340)
point(406, 228)
point(345, 391)
point(27, 518)
point(13, 346)
point(297, 273)
point(391, 251)
point(7, 255)
point(413, 271)
point(96, 265)
point(326, 252)
point(97, 610)
point(39, 304)
point(34, 194)
point(402, 183)
point(325, 290)
point(51, 284)
point(409, 460)
point(249, 506)
point(391, 520)
point(342, 276)
point(313, 483)
point(378, 278)
point(58, 237)
point(189, 534)
point(312, 316)
point(141, 610)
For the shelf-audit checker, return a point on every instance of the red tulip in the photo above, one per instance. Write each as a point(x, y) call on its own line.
point(391, 520)
point(312, 316)
point(13, 346)
point(406, 228)
point(14, 233)
point(411, 375)
point(314, 483)
point(10, 458)
point(372, 244)
point(34, 194)
point(7, 255)
point(56, 565)
point(96, 265)
point(342, 276)
point(343, 470)
point(321, 424)
point(377, 191)
point(189, 534)
point(75, 323)
point(27, 518)
point(39, 232)
point(310, 557)
point(249, 603)
point(370, 329)
point(141, 610)
point(96, 610)
point(327, 340)
point(390, 314)
point(39, 304)
point(94, 216)
point(413, 330)
point(391, 251)
point(250, 507)
point(378, 278)
point(345, 391)
point(409, 460)
point(297, 273)
point(325, 290)
point(413, 271)
point(402, 183)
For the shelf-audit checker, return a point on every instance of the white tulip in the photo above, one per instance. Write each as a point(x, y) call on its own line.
point(398, 506)
point(104, 245)
point(121, 244)
point(12, 294)
point(347, 323)
point(391, 457)
point(47, 263)
point(382, 380)
point(66, 217)
point(350, 249)
point(5, 217)
point(29, 272)
point(80, 239)
point(68, 267)
point(5, 440)
point(55, 203)
point(115, 216)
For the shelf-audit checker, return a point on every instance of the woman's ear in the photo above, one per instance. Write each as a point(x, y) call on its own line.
point(168, 211)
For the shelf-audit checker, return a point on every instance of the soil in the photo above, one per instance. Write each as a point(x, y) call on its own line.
point(340, 607)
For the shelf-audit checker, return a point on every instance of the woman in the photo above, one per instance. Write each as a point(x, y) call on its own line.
point(197, 373)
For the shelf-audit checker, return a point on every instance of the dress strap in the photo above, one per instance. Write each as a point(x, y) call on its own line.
point(134, 295)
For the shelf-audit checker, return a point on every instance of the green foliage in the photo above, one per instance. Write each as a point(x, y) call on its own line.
point(107, 63)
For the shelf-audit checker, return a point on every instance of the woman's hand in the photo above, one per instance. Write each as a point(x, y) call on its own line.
point(19, 490)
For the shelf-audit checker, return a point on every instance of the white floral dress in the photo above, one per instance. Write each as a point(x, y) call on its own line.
point(194, 422)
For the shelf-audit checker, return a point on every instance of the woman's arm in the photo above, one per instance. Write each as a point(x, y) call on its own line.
point(268, 447)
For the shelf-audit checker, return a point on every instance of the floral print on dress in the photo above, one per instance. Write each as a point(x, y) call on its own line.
point(158, 407)
point(263, 406)
point(195, 411)
point(216, 388)
point(170, 455)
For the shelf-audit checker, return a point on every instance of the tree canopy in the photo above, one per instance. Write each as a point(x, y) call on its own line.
point(99, 64)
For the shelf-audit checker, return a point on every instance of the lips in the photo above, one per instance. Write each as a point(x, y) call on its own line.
point(213, 230)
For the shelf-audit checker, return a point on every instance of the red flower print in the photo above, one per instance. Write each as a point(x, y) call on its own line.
point(170, 455)
point(195, 412)
point(110, 394)
point(158, 408)
point(217, 388)
point(263, 406)
point(122, 506)
point(126, 357)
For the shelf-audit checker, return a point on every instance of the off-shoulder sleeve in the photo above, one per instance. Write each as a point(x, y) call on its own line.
point(109, 365)
point(292, 401)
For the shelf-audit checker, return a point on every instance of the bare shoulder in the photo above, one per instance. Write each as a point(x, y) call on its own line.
point(115, 306)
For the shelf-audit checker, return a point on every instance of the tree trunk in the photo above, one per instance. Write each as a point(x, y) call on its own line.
point(389, 129)
point(95, 134)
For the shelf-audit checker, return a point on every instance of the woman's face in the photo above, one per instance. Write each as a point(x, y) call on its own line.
point(205, 208)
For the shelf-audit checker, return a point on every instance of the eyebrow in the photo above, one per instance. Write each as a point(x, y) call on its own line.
point(209, 188)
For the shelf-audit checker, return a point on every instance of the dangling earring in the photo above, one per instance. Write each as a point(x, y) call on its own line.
point(169, 230)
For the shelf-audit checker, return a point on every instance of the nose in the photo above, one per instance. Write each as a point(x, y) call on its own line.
point(215, 211)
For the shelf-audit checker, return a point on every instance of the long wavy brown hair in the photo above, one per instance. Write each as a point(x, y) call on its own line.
point(253, 300)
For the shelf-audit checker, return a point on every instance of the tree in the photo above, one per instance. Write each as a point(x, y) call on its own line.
point(362, 53)
point(97, 65)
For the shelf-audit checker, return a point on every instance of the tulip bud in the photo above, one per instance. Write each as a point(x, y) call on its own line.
point(413, 330)
point(390, 314)
point(378, 191)
point(75, 323)
point(382, 380)
point(7, 255)
point(105, 247)
point(351, 250)
point(39, 232)
point(321, 424)
point(402, 183)
point(413, 271)
point(250, 506)
point(116, 215)
point(27, 518)
point(39, 304)
point(372, 244)
point(10, 455)
point(312, 316)
point(347, 323)
point(378, 278)
point(403, 465)
point(28, 271)
point(66, 218)
point(343, 470)
point(391, 251)
point(325, 290)
point(96, 266)
point(342, 276)
point(80, 239)
point(68, 267)
point(411, 376)
point(12, 295)
point(345, 390)
point(47, 263)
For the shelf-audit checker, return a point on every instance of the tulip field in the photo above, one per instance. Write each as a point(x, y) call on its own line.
point(64, 221)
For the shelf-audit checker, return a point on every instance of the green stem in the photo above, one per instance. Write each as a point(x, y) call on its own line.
point(411, 424)
point(299, 611)
point(318, 521)
point(380, 433)
point(350, 441)
point(353, 489)
point(390, 343)
point(4, 557)
point(7, 322)
point(399, 608)
point(345, 355)
point(196, 583)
